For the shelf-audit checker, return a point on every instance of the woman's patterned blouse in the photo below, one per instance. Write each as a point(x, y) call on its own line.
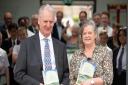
point(101, 58)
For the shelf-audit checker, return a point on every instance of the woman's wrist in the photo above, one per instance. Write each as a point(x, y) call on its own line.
point(92, 82)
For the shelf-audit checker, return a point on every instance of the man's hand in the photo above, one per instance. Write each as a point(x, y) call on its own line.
point(41, 84)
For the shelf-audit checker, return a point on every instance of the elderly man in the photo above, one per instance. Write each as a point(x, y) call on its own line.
point(40, 60)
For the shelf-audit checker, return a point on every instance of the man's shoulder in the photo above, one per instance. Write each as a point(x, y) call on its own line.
point(58, 42)
point(30, 39)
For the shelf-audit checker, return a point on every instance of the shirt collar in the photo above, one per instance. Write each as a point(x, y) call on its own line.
point(124, 46)
point(41, 37)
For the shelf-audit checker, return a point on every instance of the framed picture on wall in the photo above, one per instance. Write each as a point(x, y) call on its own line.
point(118, 13)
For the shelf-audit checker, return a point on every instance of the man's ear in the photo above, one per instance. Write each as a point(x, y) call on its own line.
point(38, 21)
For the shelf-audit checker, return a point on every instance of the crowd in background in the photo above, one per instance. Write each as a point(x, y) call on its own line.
point(111, 36)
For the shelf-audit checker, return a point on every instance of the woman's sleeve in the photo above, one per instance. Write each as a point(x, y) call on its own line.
point(107, 68)
point(72, 69)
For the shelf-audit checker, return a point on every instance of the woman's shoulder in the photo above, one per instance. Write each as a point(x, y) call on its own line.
point(78, 52)
point(2, 52)
point(101, 49)
point(16, 46)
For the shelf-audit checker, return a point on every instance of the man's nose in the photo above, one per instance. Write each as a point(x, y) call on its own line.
point(48, 24)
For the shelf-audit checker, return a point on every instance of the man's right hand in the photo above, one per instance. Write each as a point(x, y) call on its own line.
point(41, 84)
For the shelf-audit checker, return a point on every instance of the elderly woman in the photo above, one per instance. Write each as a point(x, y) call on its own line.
point(96, 56)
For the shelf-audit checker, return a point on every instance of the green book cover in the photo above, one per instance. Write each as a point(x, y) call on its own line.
point(86, 71)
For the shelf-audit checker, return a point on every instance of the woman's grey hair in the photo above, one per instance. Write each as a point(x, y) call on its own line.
point(89, 23)
point(47, 7)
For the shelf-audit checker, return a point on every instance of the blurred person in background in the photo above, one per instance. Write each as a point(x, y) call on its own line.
point(10, 42)
point(22, 35)
point(82, 17)
point(22, 23)
point(8, 19)
point(27, 20)
point(4, 64)
point(8, 45)
point(58, 27)
point(119, 59)
point(71, 36)
point(103, 41)
point(113, 41)
point(34, 27)
point(97, 19)
point(105, 24)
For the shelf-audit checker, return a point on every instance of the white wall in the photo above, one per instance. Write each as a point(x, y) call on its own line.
point(28, 7)
point(19, 8)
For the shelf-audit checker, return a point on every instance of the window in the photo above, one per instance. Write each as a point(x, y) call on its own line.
point(73, 10)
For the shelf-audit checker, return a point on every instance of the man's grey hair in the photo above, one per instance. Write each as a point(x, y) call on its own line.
point(34, 16)
point(47, 7)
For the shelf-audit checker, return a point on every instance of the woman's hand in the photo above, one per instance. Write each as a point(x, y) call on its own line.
point(93, 81)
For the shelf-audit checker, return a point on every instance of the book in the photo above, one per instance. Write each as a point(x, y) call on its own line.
point(51, 77)
point(86, 71)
